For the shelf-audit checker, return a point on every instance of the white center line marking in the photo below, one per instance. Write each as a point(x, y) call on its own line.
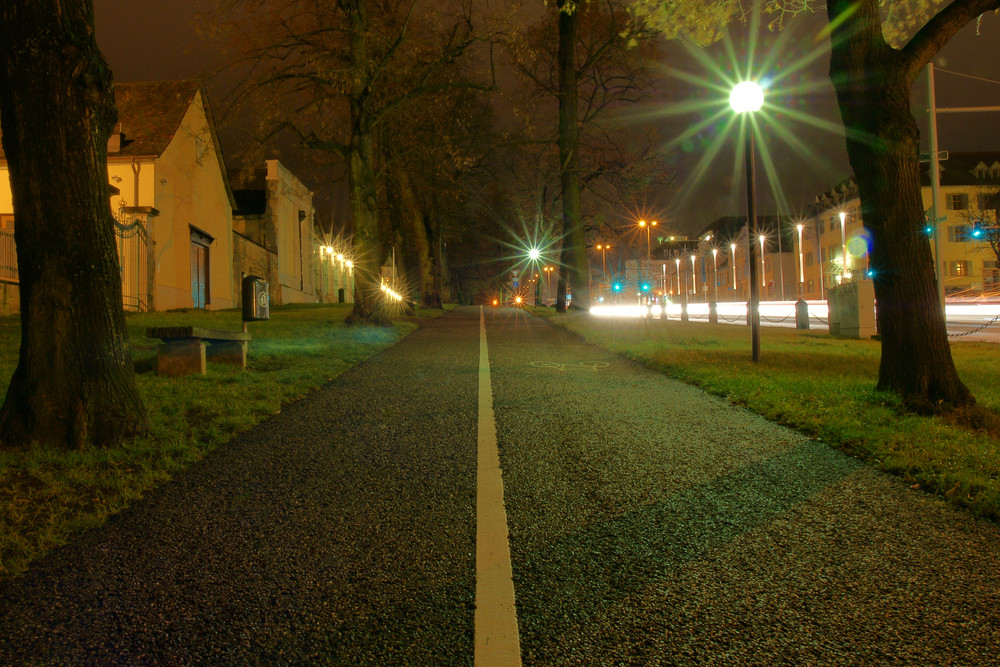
point(497, 642)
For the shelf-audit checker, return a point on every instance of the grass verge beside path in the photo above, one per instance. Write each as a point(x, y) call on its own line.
point(825, 388)
point(46, 495)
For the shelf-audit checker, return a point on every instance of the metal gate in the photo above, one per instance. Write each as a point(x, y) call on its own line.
point(130, 240)
point(8, 257)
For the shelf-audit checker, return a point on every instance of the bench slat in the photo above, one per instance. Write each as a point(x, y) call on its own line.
point(175, 333)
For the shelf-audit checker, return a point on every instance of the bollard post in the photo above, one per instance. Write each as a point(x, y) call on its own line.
point(801, 314)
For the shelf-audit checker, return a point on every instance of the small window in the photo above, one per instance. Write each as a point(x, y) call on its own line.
point(990, 274)
point(958, 269)
point(958, 202)
point(957, 233)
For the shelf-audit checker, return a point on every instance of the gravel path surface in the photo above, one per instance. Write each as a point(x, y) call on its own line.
point(341, 531)
point(654, 524)
point(650, 524)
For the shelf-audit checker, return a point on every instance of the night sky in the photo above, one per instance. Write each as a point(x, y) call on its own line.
point(145, 40)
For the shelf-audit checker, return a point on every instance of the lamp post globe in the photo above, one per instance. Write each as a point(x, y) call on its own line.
point(746, 96)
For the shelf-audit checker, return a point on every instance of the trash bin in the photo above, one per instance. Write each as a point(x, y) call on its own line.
point(256, 301)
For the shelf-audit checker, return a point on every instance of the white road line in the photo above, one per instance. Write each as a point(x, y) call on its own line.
point(497, 642)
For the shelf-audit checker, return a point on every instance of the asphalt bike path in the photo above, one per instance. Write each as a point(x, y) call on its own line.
point(651, 523)
point(645, 523)
point(340, 531)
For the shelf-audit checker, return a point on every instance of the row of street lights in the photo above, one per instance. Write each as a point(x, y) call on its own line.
point(346, 265)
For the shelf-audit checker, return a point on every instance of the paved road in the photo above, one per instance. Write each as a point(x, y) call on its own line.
point(648, 523)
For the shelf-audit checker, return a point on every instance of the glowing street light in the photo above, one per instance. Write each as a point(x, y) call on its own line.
point(677, 263)
point(748, 97)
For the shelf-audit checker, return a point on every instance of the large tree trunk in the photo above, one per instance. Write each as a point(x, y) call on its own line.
point(417, 240)
point(368, 302)
point(74, 384)
point(574, 269)
point(873, 82)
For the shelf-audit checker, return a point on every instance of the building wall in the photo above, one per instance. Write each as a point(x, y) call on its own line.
point(6, 199)
point(252, 259)
point(290, 213)
point(967, 264)
point(189, 191)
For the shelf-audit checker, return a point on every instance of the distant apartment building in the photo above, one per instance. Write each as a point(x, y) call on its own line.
point(804, 257)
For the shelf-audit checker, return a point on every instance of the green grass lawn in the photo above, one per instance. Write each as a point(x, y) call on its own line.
point(825, 388)
point(46, 495)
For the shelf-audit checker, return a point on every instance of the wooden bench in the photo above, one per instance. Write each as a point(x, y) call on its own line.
point(185, 349)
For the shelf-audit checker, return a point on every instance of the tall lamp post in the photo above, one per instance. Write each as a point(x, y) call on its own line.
point(604, 262)
point(694, 279)
point(647, 225)
point(763, 270)
point(715, 272)
point(843, 243)
point(802, 274)
point(732, 247)
point(649, 252)
point(748, 97)
point(604, 247)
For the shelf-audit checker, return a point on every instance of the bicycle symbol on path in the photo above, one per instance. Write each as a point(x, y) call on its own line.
point(579, 366)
